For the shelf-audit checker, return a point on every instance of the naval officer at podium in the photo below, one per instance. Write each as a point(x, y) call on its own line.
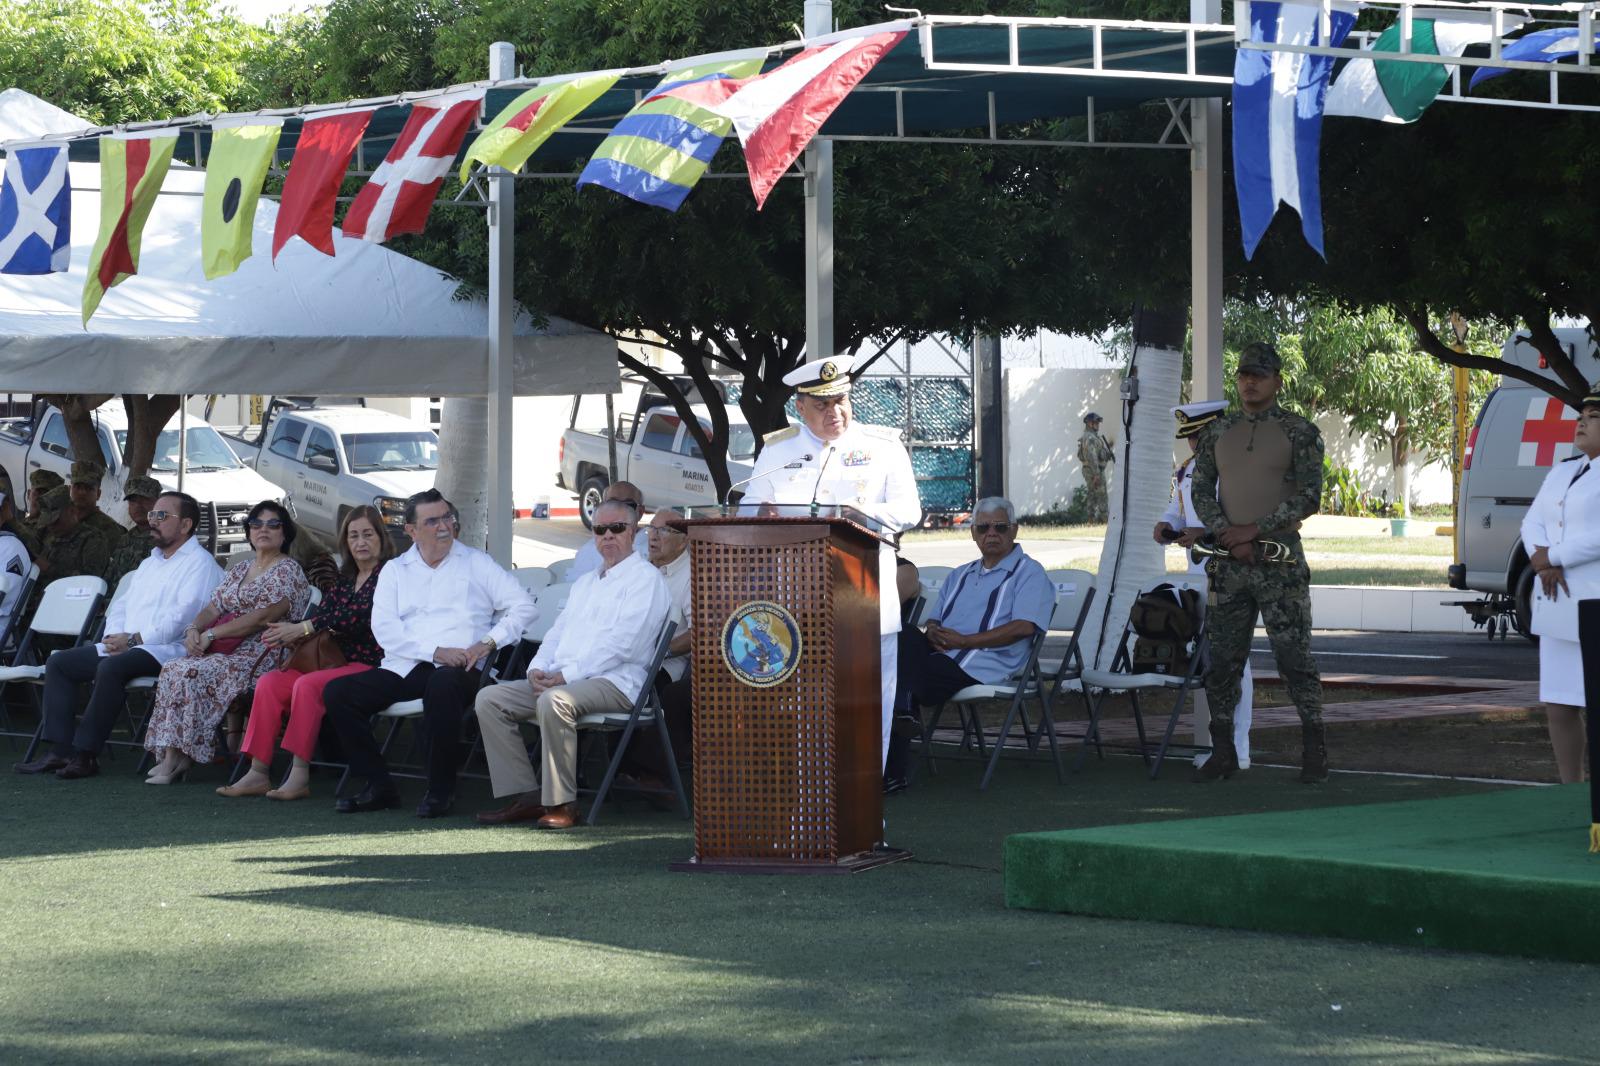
point(831, 459)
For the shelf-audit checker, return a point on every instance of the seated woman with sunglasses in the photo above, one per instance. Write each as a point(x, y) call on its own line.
point(224, 647)
point(345, 614)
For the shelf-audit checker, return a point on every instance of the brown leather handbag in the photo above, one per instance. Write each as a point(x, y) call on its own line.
point(319, 651)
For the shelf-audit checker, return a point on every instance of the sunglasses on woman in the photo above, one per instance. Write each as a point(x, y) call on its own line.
point(265, 523)
point(619, 528)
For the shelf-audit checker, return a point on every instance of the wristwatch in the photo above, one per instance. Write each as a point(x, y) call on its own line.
point(489, 641)
point(208, 636)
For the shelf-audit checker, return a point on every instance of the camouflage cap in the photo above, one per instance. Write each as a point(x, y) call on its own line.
point(1259, 357)
point(1092, 417)
point(87, 472)
point(44, 480)
point(52, 503)
point(142, 485)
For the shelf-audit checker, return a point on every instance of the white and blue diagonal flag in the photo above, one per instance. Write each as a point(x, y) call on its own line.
point(1277, 116)
point(35, 211)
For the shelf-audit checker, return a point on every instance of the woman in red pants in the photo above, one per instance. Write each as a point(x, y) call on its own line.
point(346, 612)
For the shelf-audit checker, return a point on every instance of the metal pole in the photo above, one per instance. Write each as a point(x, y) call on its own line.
point(611, 440)
point(502, 234)
point(990, 438)
point(819, 216)
point(1205, 222)
point(183, 438)
point(1461, 393)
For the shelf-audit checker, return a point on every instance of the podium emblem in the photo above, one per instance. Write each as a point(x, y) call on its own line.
point(761, 644)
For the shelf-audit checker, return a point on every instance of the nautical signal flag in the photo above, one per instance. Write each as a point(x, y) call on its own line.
point(400, 193)
point(36, 211)
point(311, 190)
point(529, 120)
point(241, 153)
point(132, 167)
point(1394, 91)
point(777, 114)
point(659, 150)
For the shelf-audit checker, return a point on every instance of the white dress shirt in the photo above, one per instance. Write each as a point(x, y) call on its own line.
point(588, 558)
point(866, 468)
point(163, 597)
point(417, 608)
point(609, 628)
point(680, 611)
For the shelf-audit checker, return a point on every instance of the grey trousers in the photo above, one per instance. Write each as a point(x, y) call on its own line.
point(503, 707)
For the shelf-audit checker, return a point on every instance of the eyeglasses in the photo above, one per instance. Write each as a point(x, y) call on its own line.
point(664, 530)
point(160, 516)
point(265, 523)
point(619, 528)
point(436, 521)
point(984, 527)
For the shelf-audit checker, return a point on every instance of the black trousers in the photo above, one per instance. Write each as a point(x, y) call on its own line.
point(446, 693)
point(65, 671)
point(926, 679)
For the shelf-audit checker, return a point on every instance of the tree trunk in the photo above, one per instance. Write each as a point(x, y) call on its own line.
point(147, 417)
point(77, 413)
point(1400, 456)
point(464, 464)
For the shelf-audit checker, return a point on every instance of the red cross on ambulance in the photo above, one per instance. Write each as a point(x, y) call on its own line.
point(1547, 432)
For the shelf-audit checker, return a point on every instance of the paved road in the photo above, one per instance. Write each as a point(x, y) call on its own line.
point(1434, 654)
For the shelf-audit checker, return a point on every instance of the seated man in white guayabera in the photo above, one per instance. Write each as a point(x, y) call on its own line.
point(988, 611)
point(588, 557)
point(593, 660)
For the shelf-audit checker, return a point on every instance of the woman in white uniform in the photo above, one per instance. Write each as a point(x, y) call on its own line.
point(1562, 534)
point(1180, 526)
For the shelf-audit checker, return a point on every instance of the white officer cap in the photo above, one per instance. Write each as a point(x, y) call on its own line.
point(822, 377)
point(1193, 417)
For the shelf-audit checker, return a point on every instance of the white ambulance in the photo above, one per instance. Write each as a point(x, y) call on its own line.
point(1520, 433)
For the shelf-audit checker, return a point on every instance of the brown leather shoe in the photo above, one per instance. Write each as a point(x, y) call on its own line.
point(561, 816)
point(79, 767)
point(515, 811)
point(45, 764)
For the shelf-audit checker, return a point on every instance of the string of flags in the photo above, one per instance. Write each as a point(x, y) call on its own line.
point(655, 155)
point(1280, 98)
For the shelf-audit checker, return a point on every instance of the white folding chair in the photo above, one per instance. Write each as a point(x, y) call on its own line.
point(560, 568)
point(18, 589)
point(646, 710)
point(1120, 677)
point(534, 578)
point(70, 608)
point(931, 577)
point(1075, 591)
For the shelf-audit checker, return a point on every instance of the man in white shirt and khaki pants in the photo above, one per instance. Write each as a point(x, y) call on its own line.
point(593, 660)
point(437, 612)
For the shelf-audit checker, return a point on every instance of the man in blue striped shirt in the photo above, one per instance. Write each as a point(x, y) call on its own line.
point(988, 611)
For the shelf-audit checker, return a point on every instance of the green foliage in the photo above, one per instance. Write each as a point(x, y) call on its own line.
point(112, 61)
point(1343, 494)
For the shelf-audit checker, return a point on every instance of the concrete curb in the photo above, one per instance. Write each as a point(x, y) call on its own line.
point(1387, 609)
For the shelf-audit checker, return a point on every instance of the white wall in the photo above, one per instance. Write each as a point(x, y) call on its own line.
point(1043, 419)
point(1430, 483)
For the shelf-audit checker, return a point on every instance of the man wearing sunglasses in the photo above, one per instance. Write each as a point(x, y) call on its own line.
point(588, 557)
point(988, 611)
point(438, 611)
point(144, 629)
point(831, 459)
point(592, 661)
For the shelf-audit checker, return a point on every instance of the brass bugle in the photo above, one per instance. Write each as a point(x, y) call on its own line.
point(1267, 551)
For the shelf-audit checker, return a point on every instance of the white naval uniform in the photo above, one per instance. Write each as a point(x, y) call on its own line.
point(1180, 514)
point(1564, 517)
point(866, 468)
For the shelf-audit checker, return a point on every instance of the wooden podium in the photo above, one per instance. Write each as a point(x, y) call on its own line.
point(787, 699)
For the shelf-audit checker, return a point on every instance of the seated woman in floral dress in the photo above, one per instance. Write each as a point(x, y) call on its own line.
point(224, 649)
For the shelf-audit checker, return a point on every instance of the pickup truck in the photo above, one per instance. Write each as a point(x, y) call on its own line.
point(656, 452)
point(331, 459)
point(212, 473)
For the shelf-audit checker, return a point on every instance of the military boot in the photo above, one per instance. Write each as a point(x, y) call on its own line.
point(1314, 754)
point(1224, 761)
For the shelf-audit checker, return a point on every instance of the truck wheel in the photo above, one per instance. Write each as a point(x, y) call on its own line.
point(1522, 605)
point(590, 497)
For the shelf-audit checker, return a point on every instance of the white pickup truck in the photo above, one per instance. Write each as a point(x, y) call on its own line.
point(212, 473)
point(656, 452)
point(335, 458)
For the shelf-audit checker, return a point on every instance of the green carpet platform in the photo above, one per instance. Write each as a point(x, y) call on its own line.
point(1506, 872)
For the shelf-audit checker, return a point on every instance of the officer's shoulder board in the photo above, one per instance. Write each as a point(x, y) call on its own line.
point(780, 435)
point(881, 432)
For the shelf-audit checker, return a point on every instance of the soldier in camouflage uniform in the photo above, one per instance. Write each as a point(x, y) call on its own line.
point(136, 543)
point(1094, 452)
point(84, 484)
point(28, 527)
point(1265, 464)
point(70, 547)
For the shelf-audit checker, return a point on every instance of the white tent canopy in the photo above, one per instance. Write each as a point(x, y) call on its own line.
point(368, 322)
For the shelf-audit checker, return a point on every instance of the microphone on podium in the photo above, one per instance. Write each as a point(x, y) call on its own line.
point(796, 465)
point(815, 489)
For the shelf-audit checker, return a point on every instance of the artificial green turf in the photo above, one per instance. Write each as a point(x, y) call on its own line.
point(167, 925)
point(1508, 871)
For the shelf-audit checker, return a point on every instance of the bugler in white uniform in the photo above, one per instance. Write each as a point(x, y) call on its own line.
point(1180, 515)
point(866, 468)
